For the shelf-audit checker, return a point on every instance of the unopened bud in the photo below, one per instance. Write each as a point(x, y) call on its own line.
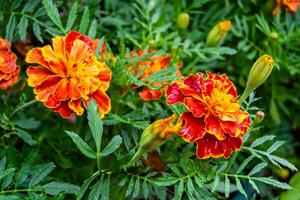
point(218, 33)
point(155, 135)
point(183, 20)
point(274, 35)
point(259, 116)
point(259, 72)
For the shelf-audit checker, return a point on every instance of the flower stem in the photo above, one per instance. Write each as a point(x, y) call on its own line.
point(21, 190)
point(136, 156)
point(23, 106)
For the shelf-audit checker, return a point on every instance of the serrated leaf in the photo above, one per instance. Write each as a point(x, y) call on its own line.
point(28, 123)
point(275, 146)
point(245, 163)
point(190, 186)
point(26, 137)
point(283, 162)
point(82, 145)
point(41, 173)
point(53, 188)
point(22, 27)
point(261, 140)
point(254, 185)
point(145, 189)
point(257, 168)
point(6, 172)
point(165, 181)
point(136, 189)
point(52, 13)
point(95, 123)
point(10, 28)
point(7, 180)
point(113, 145)
point(93, 29)
point(273, 182)
point(96, 190)
point(85, 186)
point(85, 20)
point(179, 190)
point(130, 187)
point(105, 189)
point(2, 163)
point(72, 16)
point(240, 187)
point(30, 5)
point(216, 183)
point(37, 32)
point(227, 187)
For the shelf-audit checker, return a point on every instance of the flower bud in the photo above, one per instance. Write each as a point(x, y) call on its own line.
point(259, 116)
point(258, 74)
point(155, 135)
point(183, 20)
point(217, 34)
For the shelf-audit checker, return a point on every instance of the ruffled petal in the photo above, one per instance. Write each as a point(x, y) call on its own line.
point(193, 128)
point(37, 75)
point(150, 95)
point(195, 106)
point(174, 94)
point(75, 105)
point(103, 102)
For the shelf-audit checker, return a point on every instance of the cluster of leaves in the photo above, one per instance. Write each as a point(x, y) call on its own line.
point(101, 173)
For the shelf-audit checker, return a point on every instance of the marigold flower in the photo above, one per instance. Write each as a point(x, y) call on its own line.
point(152, 65)
point(214, 120)
point(156, 134)
point(290, 5)
point(68, 75)
point(9, 71)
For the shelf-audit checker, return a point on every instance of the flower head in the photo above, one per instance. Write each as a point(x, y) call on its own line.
point(152, 65)
point(69, 75)
point(9, 71)
point(218, 33)
point(290, 5)
point(213, 118)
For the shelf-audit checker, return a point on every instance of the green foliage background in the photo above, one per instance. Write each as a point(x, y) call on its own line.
point(40, 161)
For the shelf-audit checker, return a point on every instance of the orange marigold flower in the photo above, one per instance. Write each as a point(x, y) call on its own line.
point(9, 71)
point(152, 65)
point(214, 119)
point(290, 5)
point(68, 75)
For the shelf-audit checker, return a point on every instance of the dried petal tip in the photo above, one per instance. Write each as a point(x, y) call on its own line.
point(218, 33)
point(259, 73)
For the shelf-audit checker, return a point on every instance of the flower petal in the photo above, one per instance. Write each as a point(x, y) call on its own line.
point(37, 75)
point(149, 95)
point(193, 128)
point(103, 102)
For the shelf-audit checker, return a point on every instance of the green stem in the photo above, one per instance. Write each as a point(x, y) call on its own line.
point(98, 155)
point(23, 106)
point(136, 156)
point(21, 190)
point(234, 175)
point(245, 94)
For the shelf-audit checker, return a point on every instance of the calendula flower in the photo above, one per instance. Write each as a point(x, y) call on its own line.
point(156, 134)
point(9, 71)
point(152, 65)
point(213, 120)
point(69, 75)
point(289, 5)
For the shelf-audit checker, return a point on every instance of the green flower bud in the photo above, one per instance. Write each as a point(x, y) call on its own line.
point(218, 33)
point(259, 72)
point(183, 20)
point(259, 116)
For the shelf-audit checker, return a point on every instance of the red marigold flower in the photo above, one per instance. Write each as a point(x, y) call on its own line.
point(9, 71)
point(290, 5)
point(214, 119)
point(68, 75)
point(152, 65)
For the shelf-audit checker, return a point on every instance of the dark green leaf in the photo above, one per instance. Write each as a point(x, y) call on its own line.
point(113, 145)
point(105, 189)
point(53, 188)
point(6, 172)
point(262, 140)
point(93, 29)
point(72, 16)
point(10, 28)
point(37, 32)
point(41, 173)
point(26, 137)
point(136, 189)
point(22, 27)
point(257, 168)
point(85, 186)
point(28, 123)
point(240, 187)
point(52, 13)
point(84, 21)
point(254, 185)
point(96, 190)
point(145, 189)
point(275, 146)
point(227, 187)
point(273, 182)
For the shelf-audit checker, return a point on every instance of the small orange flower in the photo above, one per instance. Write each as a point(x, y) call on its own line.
point(152, 65)
point(214, 119)
point(290, 5)
point(9, 71)
point(68, 75)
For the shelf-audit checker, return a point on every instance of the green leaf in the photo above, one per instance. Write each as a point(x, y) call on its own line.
point(245, 163)
point(53, 188)
point(28, 123)
point(105, 189)
point(165, 181)
point(283, 162)
point(95, 123)
point(136, 189)
point(145, 189)
point(2, 163)
point(10, 28)
point(53, 13)
point(85, 186)
point(26, 137)
point(240, 187)
point(22, 27)
point(190, 186)
point(37, 32)
point(113, 145)
point(130, 187)
point(6, 172)
point(93, 29)
point(96, 190)
point(41, 173)
point(84, 21)
point(72, 16)
point(275, 146)
point(30, 5)
point(254, 185)
point(82, 145)
point(216, 183)
point(257, 168)
point(273, 182)
point(227, 187)
point(179, 190)
point(261, 140)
